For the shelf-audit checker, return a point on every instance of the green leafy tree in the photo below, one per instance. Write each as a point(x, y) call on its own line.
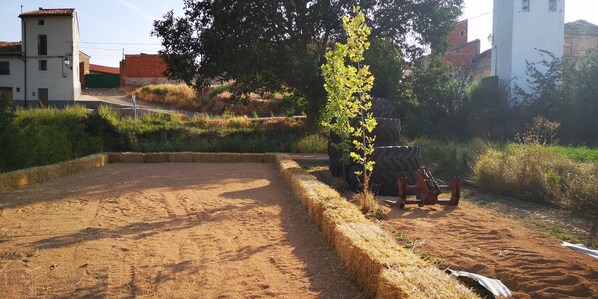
point(273, 45)
point(348, 83)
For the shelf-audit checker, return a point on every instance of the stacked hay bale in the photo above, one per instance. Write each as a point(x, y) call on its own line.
point(393, 161)
point(371, 256)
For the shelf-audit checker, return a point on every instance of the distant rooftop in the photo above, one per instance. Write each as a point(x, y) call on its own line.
point(104, 69)
point(581, 28)
point(10, 48)
point(49, 12)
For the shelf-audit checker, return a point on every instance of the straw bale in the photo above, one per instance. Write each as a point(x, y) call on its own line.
point(126, 157)
point(227, 157)
point(24, 177)
point(180, 157)
point(269, 158)
point(204, 157)
point(367, 251)
point(420, 282)
point(251, 158)
point(155, 157)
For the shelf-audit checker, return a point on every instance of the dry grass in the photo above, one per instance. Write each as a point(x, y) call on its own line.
point(24, 177)
point(375, 261)
point(178, 95)
point(536, 173)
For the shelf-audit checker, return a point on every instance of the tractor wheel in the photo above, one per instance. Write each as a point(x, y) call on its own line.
point(335, 166)
point(387, 131)
point(384, 182)
point(382, 107)
point(353, 180)
point(397, 157)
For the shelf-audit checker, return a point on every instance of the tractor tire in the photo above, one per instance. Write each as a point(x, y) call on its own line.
point(334, 160)
point(387, 131)
point(351, 178)
point(336, 166)
point(384, 182)
point(382, 108)
point(397, 157)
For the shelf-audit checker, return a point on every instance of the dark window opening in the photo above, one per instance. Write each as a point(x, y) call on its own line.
point(525, 5)
point(18, 89)
point(463, 32)
point(43, 65)
point(552, 5)
point(40, 22)
point(42, 45)
point(4, 68)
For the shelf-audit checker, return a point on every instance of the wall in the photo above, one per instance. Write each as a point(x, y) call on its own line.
point(579, 45)
point(502, 42)
point(58, 78)
point(143, 69)
point(458, 36)
point(535, 30)
point(518, 35)
point(461, 57)
point(16, 77)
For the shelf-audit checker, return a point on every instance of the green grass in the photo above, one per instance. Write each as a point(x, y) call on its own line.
point(579, 154)
point(36, 137)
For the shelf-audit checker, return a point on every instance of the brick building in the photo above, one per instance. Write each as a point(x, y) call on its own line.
point(143, 69)
point(462, 52)
point(580, 37)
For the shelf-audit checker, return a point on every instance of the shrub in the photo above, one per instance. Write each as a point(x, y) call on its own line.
point(537, 173)
point(47, 135)
point(178, 95)
point(314, 143)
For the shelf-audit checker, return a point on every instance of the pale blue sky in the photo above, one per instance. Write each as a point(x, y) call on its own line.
point(108, 26)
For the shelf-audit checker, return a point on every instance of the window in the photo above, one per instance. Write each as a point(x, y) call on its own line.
point(525, 5)
point(18, 89)
point(462, 32)
point(40, 22)
point(552, 5)
point(43, 65)
point(42, 45)
point(4, 68)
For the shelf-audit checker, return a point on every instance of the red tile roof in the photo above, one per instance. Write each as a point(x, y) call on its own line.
point(103, 69)
point(49, 12)
point(10, 48)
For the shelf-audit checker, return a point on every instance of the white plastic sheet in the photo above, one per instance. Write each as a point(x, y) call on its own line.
point(581, 248)
point(495, 286)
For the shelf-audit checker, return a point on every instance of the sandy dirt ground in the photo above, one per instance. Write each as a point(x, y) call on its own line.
point(165, 230)
point(475, 239)
point(480, 240)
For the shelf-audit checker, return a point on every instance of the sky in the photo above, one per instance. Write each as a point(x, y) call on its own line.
point(109, 27)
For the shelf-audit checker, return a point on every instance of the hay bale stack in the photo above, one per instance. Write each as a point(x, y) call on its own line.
point(126, 157)
point(20, 178)
point(155, 158)
point(180, 157)
point(375, 261)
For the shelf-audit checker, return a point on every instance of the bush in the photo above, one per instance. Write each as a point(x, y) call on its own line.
point(178, 95)
point(537, 173)
point(47, 135)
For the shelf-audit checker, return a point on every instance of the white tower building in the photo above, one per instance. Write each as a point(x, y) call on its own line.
point(520, 29)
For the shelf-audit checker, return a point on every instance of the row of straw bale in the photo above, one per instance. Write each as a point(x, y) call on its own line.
point(163, 157)
point(375, 261)
point(24, 177)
